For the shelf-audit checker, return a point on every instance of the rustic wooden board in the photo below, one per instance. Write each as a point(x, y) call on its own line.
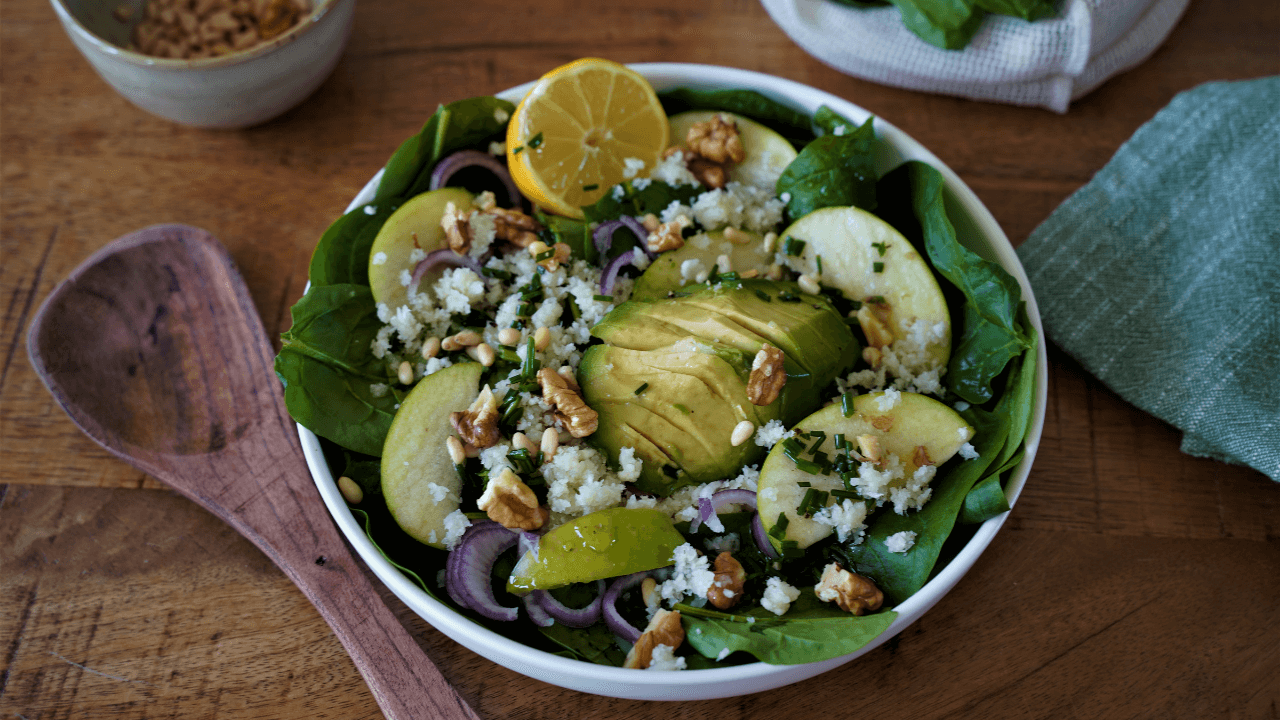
point(1130, 581)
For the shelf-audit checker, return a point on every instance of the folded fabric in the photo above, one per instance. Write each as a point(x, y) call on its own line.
point(1046, 63)
point(1162, 274)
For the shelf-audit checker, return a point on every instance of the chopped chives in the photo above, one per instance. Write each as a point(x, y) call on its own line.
point(880, 247)
point(535, 141)
point(602, 298)
point(548, 254)
point(763, 296)
point(790, 549)
point(803, 507)
point(495, 273)
point(809, 466)
point(844, 494)
point(856, 304)
point(803, 484)
point(519, 149)
point(791, 246)
point(508, 354)
point(529, 367)
point(819, 264)
point(779, 529)
point(846, 404)
point(877, 267)
point(642, 388)
point(788, 296)
point(589, 188)
point(838, 440)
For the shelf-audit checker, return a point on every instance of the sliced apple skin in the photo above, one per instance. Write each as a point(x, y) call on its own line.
point(602, 544)
point(414, 455)
point(850, 240)
point(415, 224)
point(766, 153)
point(664, 275)
point(915, 421)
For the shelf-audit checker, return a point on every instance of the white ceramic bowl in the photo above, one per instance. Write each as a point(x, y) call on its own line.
point(232, 91)
point(978, 230)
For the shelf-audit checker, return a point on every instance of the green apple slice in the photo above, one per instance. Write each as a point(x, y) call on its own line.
point(766, 152)
point(915, 421)
point(415, 224)
point(666, 274)
point(419, 482)
point(602, 544)
point(865, 258)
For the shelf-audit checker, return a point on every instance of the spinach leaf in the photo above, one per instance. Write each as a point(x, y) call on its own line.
point(786, 121)
point(810, 631)
point(458, 125)
point(832, 171)
point(366, 521)
point(574, 233)
point(1029, 10)
point(326, 367)
point(342, 255)
point(991, 334)
point(593, 644)
point(951, 24)
point(366, 471)
point(985, 501)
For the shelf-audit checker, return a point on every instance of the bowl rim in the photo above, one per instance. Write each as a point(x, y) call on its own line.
point(321, 10)
point(548, 666)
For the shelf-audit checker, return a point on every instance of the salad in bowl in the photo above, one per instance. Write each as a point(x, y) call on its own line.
point(666, 367)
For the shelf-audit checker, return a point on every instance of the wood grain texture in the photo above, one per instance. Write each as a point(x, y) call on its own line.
point(1130, 582)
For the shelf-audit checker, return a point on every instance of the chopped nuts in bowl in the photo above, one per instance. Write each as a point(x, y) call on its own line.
point(733, 582)
point(210, 63)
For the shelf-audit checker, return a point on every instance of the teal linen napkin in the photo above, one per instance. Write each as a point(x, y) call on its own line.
point(1162, 275)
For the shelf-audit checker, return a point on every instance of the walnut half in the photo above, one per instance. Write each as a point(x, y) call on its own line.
point(663, 629)
point(509, 502)
point(768, 376)
point(576, 416)
point(726, 589)
point(853, 593)
point(478, 424)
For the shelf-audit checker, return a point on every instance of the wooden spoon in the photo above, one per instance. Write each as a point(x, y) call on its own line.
point(155, 350)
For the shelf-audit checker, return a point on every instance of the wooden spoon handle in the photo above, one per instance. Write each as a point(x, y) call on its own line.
point(294, 529)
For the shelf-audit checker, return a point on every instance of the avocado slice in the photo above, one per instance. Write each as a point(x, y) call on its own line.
point(745, 315)
point(677, 406)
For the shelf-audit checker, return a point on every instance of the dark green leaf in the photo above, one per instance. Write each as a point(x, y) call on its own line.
point(594, 644)
point(327, 368)
point(985, 501)
point(832, 171)
point(948, 24)
point(365, 470)
point(1026, 9)
point(342, 255)
point(466, 123)
point(653, 197)
point(810, 631)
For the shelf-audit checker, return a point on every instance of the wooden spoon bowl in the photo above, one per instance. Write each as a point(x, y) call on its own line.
point(155, 350)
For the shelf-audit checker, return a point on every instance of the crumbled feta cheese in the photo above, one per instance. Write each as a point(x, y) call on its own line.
point(889, 400)
point(579, 482)
point(671, 170)
point(691, 269)
point(438, 492)
point(778, 596)
point(729, 542)
point(631, 167)
point(691, 575)
point(664, 658)
point(900, 542)
point(967, 451)
point(379, 389)
point(846, 518)
point(740, 206)
point(379, 258)
point(370, 210)
point(724, 653)
point(455, 523)
point(771, 433)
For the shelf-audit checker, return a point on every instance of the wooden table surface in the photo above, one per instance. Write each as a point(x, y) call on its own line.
point(1130, 580)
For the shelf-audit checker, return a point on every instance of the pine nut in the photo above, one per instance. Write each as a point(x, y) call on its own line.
point(431, 347)
point(522, 441)
point(808, 284)
point(550, 443)
point(650, 222)
point(456, 453)
point(351, 491)
point(774, 272)
point(449, 344)
point(467, 338)
point(541, 338)
point(405, 371)
point(742, 432)
point(748, 274)
point(509, 336)
point(723, 265)
point(736, 236)
point(486, 354)
point(770, 242)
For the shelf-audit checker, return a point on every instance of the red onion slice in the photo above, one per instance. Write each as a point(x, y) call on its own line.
point(445, 257)
point(762, 538)
point(610, 274)
point(533, 606)
point(451, 164)
point(571, 617)
point(468, 581)
point(708, 507)
point(617, 624)
point(602, 236)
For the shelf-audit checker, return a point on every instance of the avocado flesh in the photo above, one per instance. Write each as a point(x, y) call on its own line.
point(693, 399)
point(812, 335)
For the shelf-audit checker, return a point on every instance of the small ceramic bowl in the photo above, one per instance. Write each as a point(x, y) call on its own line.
point(237, 90)
point(975, 227)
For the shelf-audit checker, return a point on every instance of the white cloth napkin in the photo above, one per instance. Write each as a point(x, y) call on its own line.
point(1046, 63)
